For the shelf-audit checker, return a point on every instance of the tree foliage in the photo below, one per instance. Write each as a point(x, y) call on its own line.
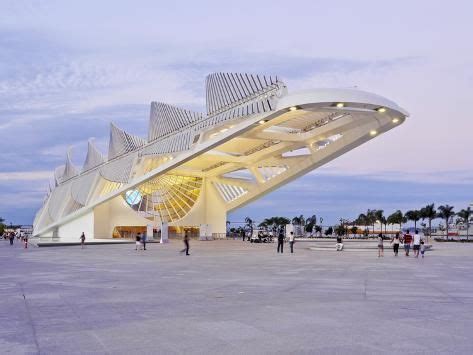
point(445, 212)
point(465, 215)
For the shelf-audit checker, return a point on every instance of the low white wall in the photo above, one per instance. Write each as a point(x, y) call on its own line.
point(71, 231)
point(115, 213)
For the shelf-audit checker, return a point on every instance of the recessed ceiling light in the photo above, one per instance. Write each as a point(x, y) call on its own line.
point(292, 108)
point(373, 132)
point(262, 122)
point(224, 130)
point(395, 120)
point(381, 109)
point(340, 105)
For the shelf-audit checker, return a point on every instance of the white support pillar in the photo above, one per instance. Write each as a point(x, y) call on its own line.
point(164, 233)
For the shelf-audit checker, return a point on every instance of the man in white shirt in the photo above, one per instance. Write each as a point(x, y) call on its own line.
point(417, 240)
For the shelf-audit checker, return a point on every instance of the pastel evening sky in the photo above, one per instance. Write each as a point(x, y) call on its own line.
point(68, 68)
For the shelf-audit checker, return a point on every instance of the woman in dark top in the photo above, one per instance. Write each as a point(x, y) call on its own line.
point(395, 242)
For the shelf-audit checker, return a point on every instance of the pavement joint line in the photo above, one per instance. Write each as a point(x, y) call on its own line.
point(30, 318)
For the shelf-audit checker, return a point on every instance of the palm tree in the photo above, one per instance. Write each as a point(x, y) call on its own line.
point(354, 230)
point(397, 218)
point(413, 215)
point(429, 213)
point(371, 217)
point(465, 216)
point(362, 220)
point(381, 219)
point(446, 212)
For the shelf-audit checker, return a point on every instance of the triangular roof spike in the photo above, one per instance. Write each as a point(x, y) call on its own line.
point(69, 169)
point(165, 119)
point(94, 156)
point(122, 142)
point(66, 171)
point(58, 173)
point(225, 90)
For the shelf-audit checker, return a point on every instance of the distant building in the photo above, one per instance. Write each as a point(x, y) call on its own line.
point(193, 168)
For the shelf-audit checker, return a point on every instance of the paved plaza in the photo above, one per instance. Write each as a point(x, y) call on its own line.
point(230, 297)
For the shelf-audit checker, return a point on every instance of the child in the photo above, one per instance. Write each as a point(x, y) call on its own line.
point(422, 248)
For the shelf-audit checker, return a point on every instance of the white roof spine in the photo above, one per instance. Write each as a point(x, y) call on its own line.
point(165, 119)
point(122, 142)
point(66, 171)
point(69, 170)
point(94, 157)
point(231, 91)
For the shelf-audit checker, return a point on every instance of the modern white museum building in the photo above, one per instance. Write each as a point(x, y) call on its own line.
point(194, 168)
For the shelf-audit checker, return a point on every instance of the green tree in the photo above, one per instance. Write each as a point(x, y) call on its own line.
point(445, 212)
point(362, 220)
point(310, 223)
point(465, 215)
point(371, 218)
point(340, 230)
point(381, 219)
point(428, 212)
point(354, 230)
point(397, 218)
point(274, 222)
point(413, 215)
point(329, 231)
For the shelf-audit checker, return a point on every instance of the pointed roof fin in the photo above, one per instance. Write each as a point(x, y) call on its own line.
point(94, 156)
point(165, 119)
point(122, 142)
point(225, 91)
point(66, 171)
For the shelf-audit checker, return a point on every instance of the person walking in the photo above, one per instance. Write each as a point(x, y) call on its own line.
point(422, 248)
point(281, 241)
point(395, 242)
point(242, 232)
point(82, 240)
point(380, 245)
point(25, 241)
point(12, 238)
point(144, 239)
point(291, 242)
point(416, 243)
point(339, 245)
point(138, 241)
point(407, 242)
point(186, 244)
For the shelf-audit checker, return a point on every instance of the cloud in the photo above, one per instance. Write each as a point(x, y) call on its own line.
point(25, 175)
point(65, 73)
point(426, 176)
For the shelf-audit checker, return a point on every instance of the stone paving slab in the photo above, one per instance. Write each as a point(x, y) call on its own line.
point(233, 297)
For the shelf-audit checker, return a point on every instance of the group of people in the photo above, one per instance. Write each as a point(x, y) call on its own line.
point(140, 242)
point(11, 237)
point(416, 241)
point(282, 239)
